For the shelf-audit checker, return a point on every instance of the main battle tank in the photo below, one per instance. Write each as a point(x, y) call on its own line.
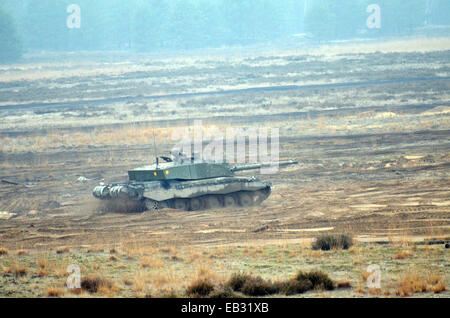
point(188, 184)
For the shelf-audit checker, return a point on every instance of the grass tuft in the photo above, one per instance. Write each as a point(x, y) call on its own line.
point(200, 288)
point(150, 262)
point(293, 287)
point(3, 251)
point(62, 250)
point(21, 252)
point(411, 283)
point(76, 291)
point(55, 292)
point(343, 284)
point(222, 291)
point(332, 241)
point(318, 279)
point(439, 287)
point(256, 286)
point(402, 255)
point(42, 272)
point(16, 270)
point(93, 284)
point(237, 280)
point(113, 258)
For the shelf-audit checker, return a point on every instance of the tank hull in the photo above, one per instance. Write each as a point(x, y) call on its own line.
point(188, 195)
point(188, 184)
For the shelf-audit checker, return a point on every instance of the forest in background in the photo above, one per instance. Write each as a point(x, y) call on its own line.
point(152, 25)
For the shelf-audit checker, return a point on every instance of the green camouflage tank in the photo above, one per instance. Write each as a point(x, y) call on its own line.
point(188, 184)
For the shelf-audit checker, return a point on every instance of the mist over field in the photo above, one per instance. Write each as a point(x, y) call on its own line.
point(173, 25)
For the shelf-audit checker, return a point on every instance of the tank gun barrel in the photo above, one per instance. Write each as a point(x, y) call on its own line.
point(263, 165)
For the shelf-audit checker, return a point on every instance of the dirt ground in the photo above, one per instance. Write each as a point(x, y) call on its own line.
point(370, 127)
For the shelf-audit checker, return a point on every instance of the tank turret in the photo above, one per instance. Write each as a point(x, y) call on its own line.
point(193, 170)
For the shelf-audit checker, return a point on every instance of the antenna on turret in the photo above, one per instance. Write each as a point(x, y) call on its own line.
point(189, 134)
point(154, 148)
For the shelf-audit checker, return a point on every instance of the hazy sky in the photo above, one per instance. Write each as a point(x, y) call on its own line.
point(149, 25)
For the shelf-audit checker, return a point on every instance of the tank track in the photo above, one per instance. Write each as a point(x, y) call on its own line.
point(217, 201)
point(210, 201)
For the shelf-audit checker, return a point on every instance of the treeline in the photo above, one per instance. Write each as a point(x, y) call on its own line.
point(153, 24)
point(147, 25)
point(328, 19)
point(10, 42)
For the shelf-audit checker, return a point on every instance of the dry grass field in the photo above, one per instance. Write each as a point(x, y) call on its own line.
point(369, 124)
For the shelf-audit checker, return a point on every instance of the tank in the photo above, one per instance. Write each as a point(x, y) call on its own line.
point(187, 184)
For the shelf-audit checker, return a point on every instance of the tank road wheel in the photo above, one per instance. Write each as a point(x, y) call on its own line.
point(261, 195)
point(181, 204)
point(213, 202)
point(229, 201)
point(151, 205)
point(195, 204)
point(245, 199)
